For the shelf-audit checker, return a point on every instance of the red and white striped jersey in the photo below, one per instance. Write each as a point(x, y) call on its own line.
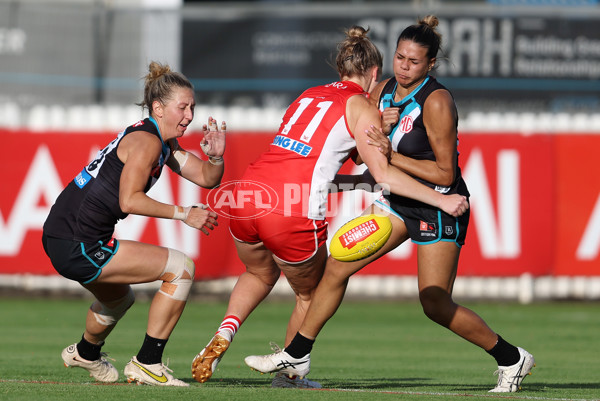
point(312, 144)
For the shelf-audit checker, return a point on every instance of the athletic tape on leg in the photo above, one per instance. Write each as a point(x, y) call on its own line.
point(178, 276)
point(110, 316)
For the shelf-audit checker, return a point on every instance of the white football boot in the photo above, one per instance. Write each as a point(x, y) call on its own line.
point(156, 374)
point(279, 361)
point(100, 369)
point(510, 377)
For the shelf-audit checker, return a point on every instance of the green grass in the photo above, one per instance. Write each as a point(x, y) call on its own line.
point(368, 351)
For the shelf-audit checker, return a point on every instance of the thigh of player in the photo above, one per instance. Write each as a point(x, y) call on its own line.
point(135, 262)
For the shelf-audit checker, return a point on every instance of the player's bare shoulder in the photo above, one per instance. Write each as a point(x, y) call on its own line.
point(376, 92)
point(140, 143)
point(356, 108)
point(440, 100)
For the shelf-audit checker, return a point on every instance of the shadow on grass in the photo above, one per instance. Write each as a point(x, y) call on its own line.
point(406, 384)
point(380, 383)
point(364, 384)
point(229, 382)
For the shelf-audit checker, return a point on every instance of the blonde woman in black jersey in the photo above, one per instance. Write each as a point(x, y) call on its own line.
point(78, 233)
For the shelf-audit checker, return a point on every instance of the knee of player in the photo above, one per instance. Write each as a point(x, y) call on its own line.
point(177, 276)
point(264, 277)
point(179, 266)
point(303, 300)
point(109, 315)
point(272, 278)
point(428, 308)
point(335, 274)
point(190, 267)
point(437, 304)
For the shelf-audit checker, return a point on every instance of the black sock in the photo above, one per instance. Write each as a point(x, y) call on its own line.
point(299, 346)
point(89, 351)
point(504, 353)
point(151, 351)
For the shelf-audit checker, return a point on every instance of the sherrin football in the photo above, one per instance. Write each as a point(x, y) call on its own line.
point(360, 237)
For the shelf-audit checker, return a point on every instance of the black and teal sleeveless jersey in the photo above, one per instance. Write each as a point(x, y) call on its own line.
point(88, 209)
point(409, 135)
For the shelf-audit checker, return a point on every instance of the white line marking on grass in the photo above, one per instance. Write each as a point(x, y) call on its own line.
point(511, 397)
point(348, 390)
point(63, 383)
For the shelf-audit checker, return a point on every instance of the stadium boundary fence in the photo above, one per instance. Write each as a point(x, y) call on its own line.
point(524, 289)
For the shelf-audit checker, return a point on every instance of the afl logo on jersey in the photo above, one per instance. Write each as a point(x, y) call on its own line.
point(406, 124)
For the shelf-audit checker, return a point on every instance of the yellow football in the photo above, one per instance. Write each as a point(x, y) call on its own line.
point(360, 237)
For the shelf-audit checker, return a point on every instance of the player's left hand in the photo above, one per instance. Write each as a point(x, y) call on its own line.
point(380, 140)
point(213, 143)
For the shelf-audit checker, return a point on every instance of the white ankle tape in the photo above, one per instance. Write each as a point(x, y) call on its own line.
point(178, 276)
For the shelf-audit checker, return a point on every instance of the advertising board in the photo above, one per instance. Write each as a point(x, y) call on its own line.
point(535, 203)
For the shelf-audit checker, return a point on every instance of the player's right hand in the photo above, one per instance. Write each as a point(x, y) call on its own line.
point(455, 205)
point(201, 218)
point(389, 118)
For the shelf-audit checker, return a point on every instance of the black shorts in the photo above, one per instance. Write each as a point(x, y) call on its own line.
point(426, 224)
point(79, 261)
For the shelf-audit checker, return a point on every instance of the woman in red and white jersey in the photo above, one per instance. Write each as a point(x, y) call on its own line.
point(421, 119)
point(288, 233)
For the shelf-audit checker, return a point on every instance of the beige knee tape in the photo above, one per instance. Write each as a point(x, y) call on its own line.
point(110, 316)
point(178, 276)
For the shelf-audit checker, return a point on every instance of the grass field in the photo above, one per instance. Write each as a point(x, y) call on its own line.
point(368, 351)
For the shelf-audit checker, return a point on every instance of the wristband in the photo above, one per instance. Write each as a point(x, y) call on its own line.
point(216, 161)
point(177, 215)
